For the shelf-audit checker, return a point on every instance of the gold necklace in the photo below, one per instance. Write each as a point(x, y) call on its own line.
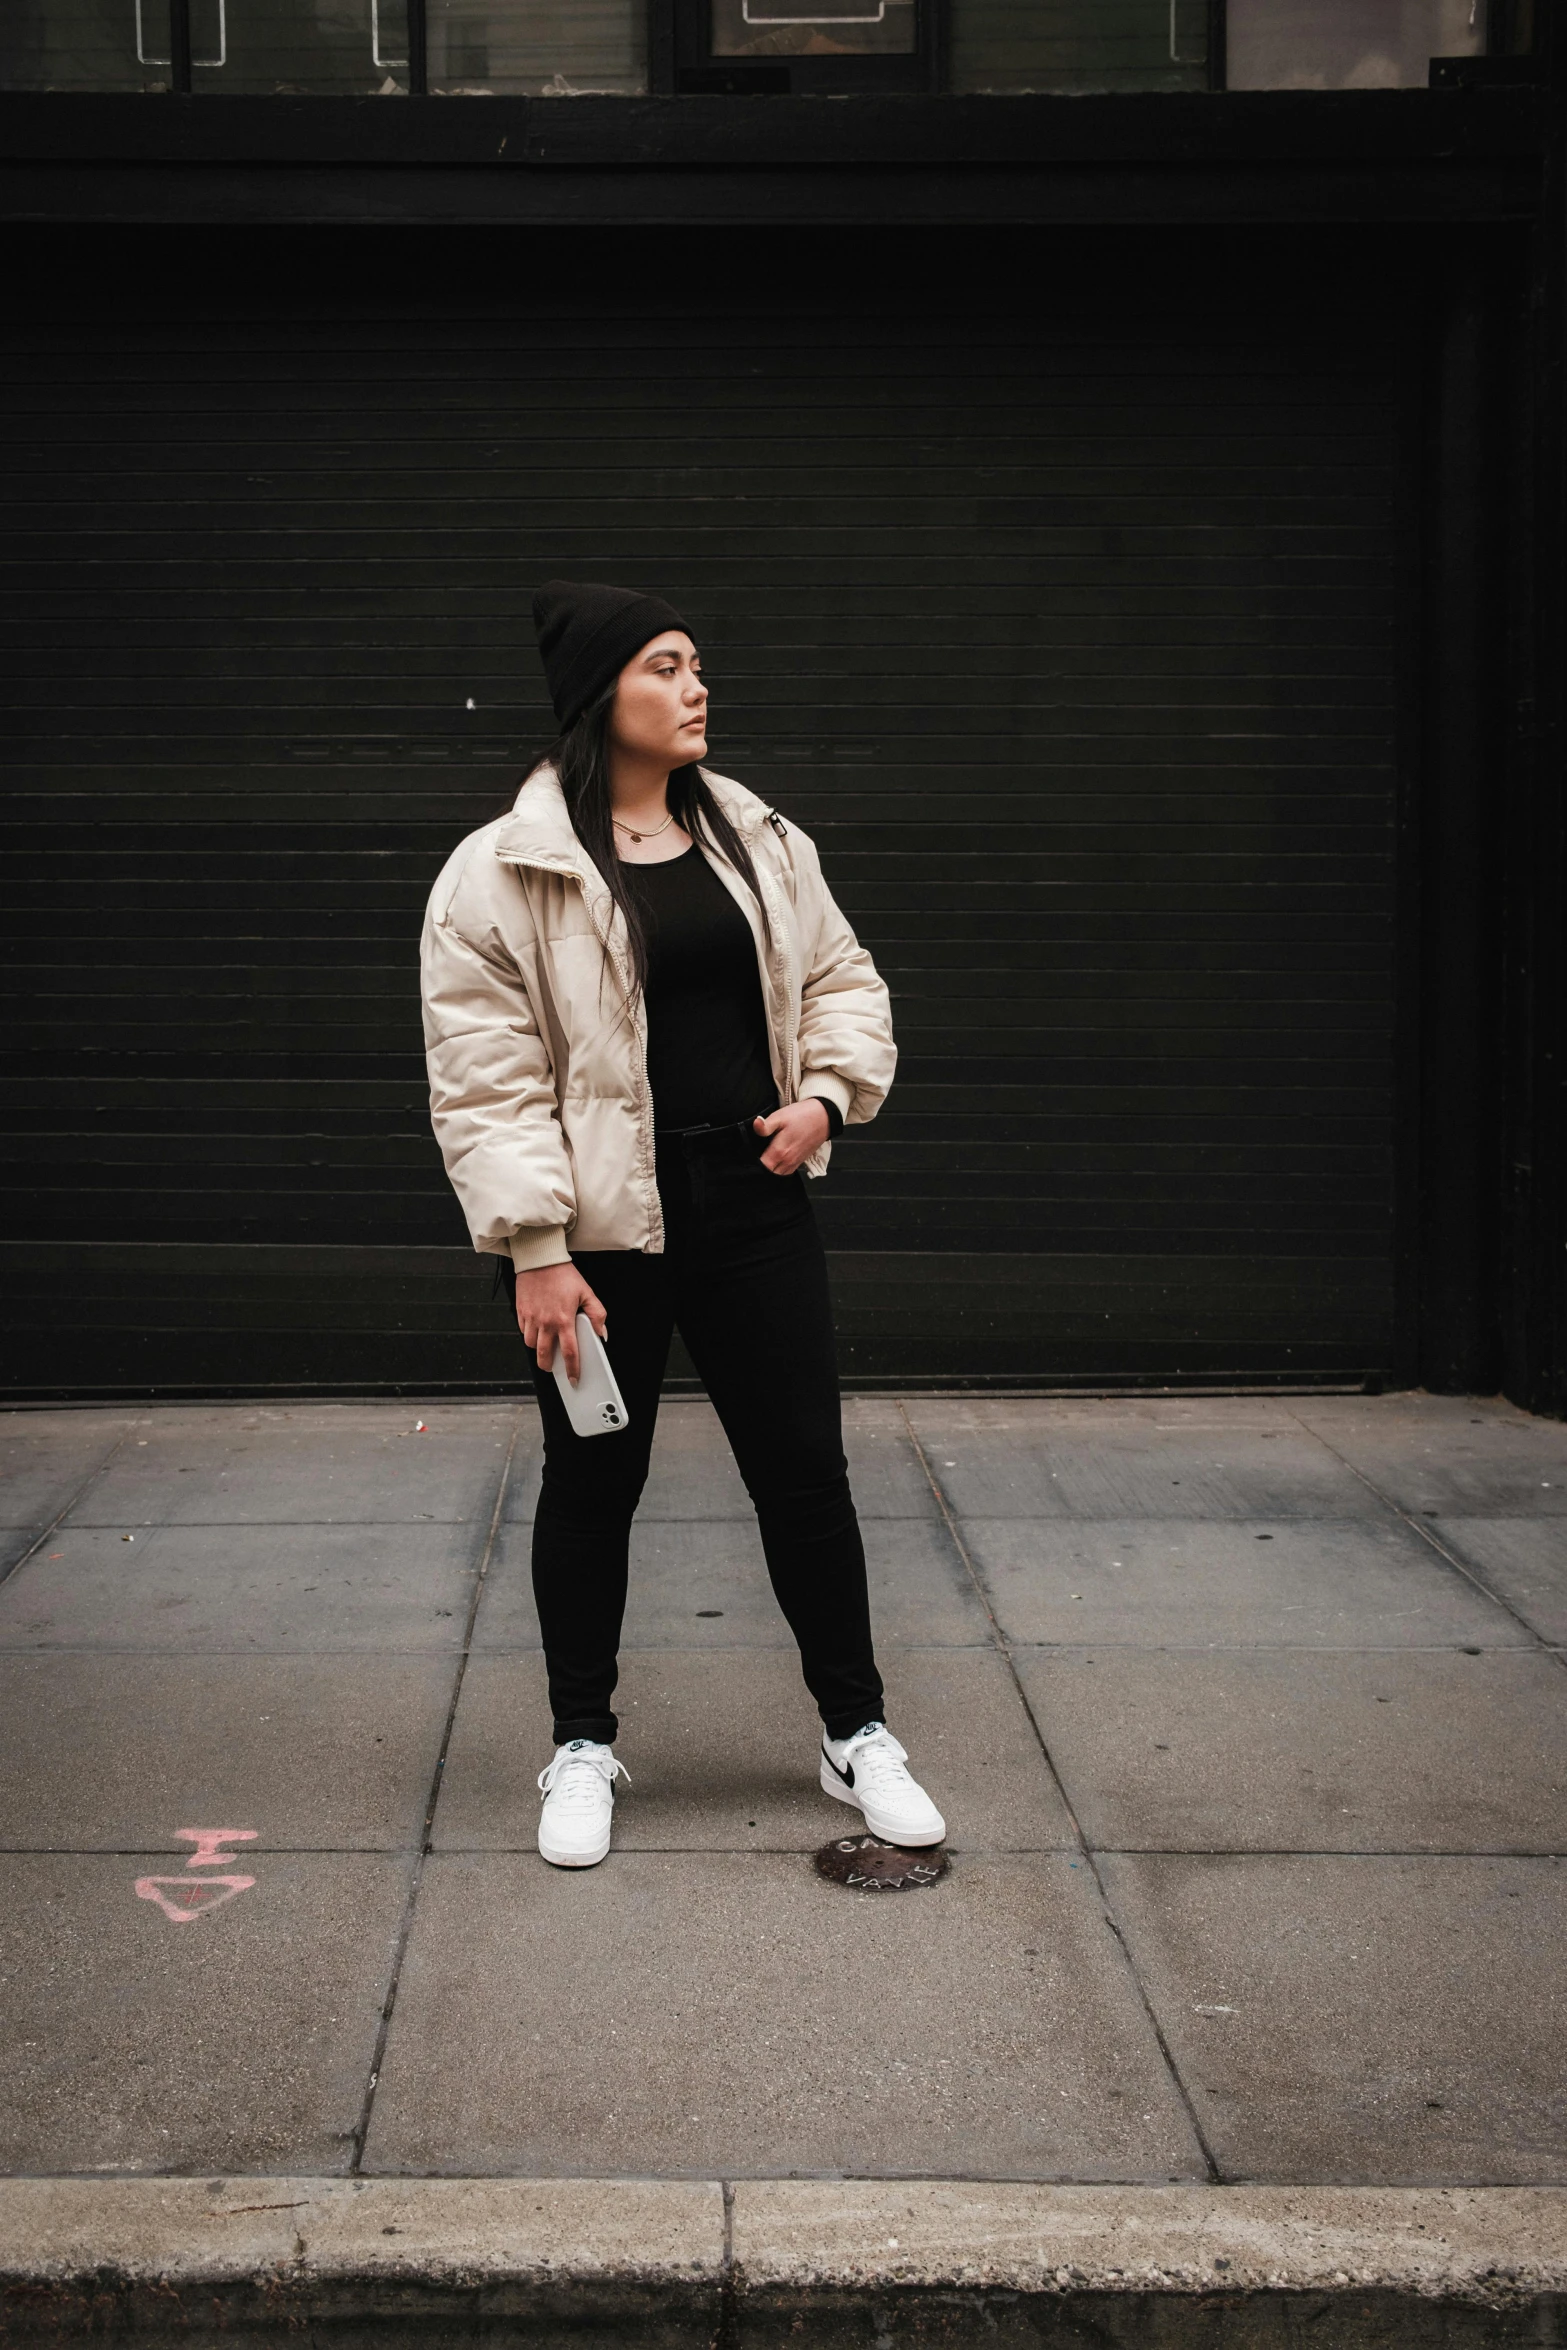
point(625, 828)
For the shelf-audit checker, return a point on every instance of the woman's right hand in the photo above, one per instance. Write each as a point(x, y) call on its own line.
point(549, 1299)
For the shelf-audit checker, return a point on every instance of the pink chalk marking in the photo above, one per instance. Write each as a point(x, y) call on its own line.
point(187, 1897)
point(209, 1842)
point(192, 1897)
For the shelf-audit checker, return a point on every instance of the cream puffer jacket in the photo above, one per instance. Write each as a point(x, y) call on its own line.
point(538, 1078)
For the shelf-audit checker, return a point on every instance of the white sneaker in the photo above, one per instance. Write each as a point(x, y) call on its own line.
point(579, 1799)
point(867, 1771)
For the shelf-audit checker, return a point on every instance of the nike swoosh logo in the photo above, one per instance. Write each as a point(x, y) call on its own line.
point(846, 1776)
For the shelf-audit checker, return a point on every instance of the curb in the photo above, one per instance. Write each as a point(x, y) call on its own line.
point(682, 2262)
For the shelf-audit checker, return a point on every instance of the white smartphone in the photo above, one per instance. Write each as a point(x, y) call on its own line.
point(595, 1406)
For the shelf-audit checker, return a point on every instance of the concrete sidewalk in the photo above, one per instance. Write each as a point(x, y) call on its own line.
point(1246, 1716)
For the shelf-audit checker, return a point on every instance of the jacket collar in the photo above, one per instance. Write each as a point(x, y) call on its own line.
point(538, 830)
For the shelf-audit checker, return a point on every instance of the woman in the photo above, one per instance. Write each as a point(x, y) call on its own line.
point(644, 1016)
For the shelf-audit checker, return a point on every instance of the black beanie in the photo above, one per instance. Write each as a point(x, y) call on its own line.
point(587, 634)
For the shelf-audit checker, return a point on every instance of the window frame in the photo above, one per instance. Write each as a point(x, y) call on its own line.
point(681, 61)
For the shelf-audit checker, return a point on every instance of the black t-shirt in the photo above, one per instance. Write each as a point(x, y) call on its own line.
point(707, 1056)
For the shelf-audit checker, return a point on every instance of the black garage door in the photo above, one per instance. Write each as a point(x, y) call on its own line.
point(1065, 621)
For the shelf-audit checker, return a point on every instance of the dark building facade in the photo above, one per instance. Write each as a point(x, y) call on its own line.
point(1121, 505)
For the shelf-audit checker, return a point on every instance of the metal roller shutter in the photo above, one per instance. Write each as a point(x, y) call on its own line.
point(1066, 625)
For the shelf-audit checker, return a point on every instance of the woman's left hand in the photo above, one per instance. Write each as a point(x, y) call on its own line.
point(797, 1130)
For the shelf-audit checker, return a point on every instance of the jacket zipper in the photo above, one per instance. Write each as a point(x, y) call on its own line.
point(644, 1097)
point(771, 978)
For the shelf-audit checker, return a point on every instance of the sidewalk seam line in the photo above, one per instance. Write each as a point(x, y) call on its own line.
point(1090, 1857)
point(1041, 1648)
point(726, 2334)
point(437, 1778)
point(1047, 2181)
point(64, 1512)
point(1550, 1852)
point(1418, 1526)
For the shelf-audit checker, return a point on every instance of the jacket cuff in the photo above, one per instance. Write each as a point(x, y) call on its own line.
point(537, 1245)
point(828, 1086)
point(834, 1114)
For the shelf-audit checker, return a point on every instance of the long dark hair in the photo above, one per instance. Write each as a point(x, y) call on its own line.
point(580, 758)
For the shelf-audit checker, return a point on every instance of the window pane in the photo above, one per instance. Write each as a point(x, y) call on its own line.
point(356, 47)
point(1017, 45)
point(1347, 44)
point(813, 28)
point(351, 47)
point(537, 48)
point(84, 45)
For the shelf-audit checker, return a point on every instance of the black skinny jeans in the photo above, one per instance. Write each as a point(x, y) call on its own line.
point(744, 1277)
